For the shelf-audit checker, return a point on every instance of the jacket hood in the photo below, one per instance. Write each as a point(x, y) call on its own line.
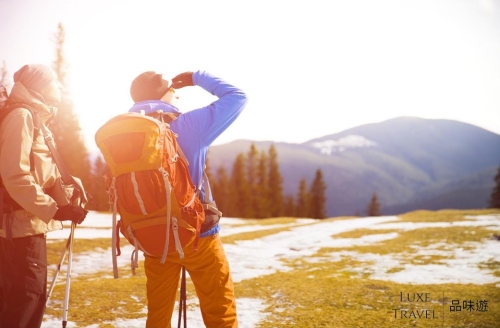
point(20, 94)
point(153, 106)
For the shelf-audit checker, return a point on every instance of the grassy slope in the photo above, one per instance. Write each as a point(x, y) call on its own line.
point(314, 293)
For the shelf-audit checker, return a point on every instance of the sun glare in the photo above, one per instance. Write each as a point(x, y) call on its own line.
point(356, 63)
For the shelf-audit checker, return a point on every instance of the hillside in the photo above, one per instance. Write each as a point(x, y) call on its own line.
point(410, 162)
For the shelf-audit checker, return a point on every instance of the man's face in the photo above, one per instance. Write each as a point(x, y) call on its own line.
point(53, 93)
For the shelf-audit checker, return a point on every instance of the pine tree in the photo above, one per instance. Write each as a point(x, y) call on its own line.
point(263, 186)
point(221, 190)
point(212, 181)
point(3, 75)
point(275, 184)
point(238, 189)
point(60, 64)
point(65, 126)
point(4, 92)
point(495, 193)
point(373, 208)
point(208, 169)
point(252, 170)
point(99, 195)
point(302, 207)
point(289, 208)
point(317, 204)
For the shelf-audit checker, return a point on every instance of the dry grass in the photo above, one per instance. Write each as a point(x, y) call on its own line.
point(314, 293)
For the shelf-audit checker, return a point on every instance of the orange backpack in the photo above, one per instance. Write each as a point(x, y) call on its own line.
point(149, 185)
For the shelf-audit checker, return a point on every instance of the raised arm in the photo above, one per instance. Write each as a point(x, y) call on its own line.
point(210, 121)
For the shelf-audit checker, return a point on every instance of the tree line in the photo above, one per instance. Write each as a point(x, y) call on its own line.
point(252, 189)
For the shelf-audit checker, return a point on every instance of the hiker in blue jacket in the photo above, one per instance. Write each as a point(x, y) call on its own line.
point(208, 267)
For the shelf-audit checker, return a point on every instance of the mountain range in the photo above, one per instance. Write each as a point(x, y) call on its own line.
point(410, 163)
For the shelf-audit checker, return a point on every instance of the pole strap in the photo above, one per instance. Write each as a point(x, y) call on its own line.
point(66, 177)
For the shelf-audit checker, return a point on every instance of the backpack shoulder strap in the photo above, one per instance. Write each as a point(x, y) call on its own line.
point(207, 205)
point(204, 179)
point(37, 123)
point(169, 117)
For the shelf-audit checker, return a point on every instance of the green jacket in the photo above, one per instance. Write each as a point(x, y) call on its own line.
point(25, 187)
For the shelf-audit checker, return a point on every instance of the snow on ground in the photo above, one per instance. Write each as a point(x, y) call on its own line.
point(253, 258)
point(250, 312)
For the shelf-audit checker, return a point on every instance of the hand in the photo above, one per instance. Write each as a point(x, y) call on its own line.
point(71, 213)
point(182, 80)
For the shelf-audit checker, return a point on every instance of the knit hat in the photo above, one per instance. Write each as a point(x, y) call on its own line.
point(148, 86)
point(35, 77)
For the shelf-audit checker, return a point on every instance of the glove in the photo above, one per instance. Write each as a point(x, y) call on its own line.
point(182, 80)
point(71, 213)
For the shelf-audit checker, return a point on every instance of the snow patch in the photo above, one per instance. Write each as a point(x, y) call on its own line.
point(328, 147)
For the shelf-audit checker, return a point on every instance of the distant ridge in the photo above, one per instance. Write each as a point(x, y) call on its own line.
point(412, 163)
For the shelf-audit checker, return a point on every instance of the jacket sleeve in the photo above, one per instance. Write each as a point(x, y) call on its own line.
point(16, 142)
point(210, 121)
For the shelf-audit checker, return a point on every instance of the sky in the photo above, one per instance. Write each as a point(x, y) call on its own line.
point(253, 258)
point(310, 69)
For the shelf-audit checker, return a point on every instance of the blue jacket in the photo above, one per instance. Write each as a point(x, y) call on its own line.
point(198, 128)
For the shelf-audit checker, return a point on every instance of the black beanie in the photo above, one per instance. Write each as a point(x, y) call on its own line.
point(148, 86)
point(35, 77)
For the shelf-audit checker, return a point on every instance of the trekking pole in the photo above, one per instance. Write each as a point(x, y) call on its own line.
point(63, 256)
point(184, 296)
point(68, 276)
point(182, 300)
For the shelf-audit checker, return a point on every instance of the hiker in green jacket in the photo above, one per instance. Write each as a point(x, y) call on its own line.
point(28, 172)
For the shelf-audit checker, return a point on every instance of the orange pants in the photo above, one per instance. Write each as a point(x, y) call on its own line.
point(209, 271)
